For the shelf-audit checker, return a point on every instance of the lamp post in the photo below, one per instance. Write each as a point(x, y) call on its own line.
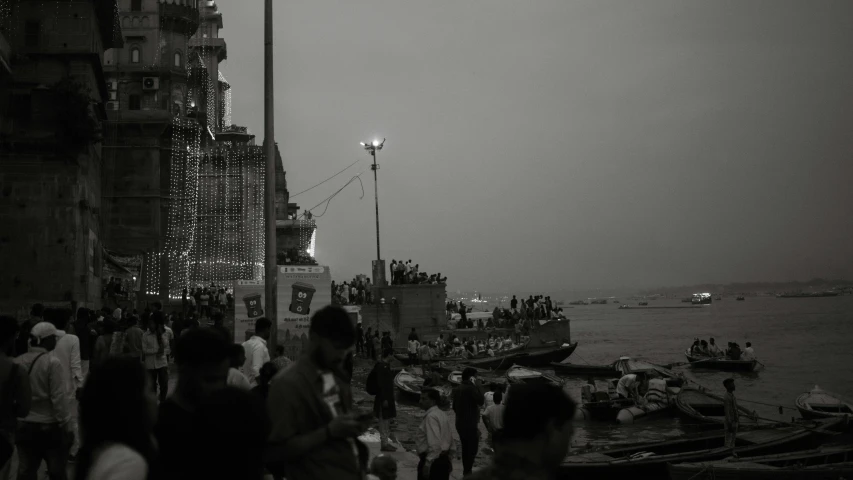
point(379, 270)
point(372, 148)
point(270, 260)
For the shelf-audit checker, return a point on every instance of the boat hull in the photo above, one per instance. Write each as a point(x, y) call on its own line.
point(527, 358)
point(585, 370)
point(725, 365)
point(818, 404)
point(822, 463)
point(634, 414)
point(651, 460)
point(708, 408)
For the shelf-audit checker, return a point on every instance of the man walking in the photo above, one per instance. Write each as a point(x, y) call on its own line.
point(46, 432)
point(381, 381)
point(314, 427)
point(256, 350)
point(730, 407)
point(434, 439)
point(467, 401)
point(67, 351)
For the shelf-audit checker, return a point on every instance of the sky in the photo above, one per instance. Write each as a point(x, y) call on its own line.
point(556, 144)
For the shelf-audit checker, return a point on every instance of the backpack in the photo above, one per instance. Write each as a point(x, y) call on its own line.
point(371, 386)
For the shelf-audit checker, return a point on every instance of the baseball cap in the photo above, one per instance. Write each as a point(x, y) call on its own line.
point(43, 330)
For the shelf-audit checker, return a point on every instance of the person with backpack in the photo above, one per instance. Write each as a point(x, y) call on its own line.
point(380, 383)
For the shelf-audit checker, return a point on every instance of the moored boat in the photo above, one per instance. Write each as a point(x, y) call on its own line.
point(817, 464)
point(541, 357)
point(585, 370)
point(649, 460)
point(405, 360)
point(721, 363)
point(411, 385)
point(818, 403)
point(706, 407)
point(520, 374)
point(740, 298)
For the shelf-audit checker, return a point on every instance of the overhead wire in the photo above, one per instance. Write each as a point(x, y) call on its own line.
point(326, 180)
point(328, 199)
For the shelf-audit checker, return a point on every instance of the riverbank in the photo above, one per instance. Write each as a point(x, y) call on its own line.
point(404, 428)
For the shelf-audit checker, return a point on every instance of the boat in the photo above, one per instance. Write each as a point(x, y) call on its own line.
point(816, 464)
point(528, 358)
point(705, 407)
point(585, 370)
point(411, 385)
point(818, 403)
point(720, 363)
point(578, 302)
point(405, 360)
point(616, 301)
point(808, 295)
point(642, 304)
point(601, 403)
point(520, 374)
point(701, 299)
point(552, 333)
point(626, 365)
point(602, 301)
point(649, 460)
point(635, 413)
point(740, 298)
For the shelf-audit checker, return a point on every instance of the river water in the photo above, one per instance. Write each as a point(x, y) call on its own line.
point(801, 342)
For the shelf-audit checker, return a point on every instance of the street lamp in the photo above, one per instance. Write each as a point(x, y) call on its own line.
point(372, 148)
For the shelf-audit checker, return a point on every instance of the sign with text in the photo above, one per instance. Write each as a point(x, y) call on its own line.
point(301, 290)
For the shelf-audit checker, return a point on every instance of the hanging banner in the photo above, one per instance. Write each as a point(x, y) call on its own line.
point(301, 290)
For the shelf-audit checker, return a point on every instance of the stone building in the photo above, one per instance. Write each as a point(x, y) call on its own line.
point(52, 105)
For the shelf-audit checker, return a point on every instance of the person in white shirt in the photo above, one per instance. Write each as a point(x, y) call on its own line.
point(629, 385)
point(493, 417)
point(237, 357)
point(256, 350)
point(154, 345)
point(67, 351)
point(748, 353)
point(49, 418)
point(414, 345)
point(434, 439)
point(714, 350)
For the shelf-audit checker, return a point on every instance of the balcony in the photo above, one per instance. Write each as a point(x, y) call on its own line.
point(184, 12)
point(217, 45)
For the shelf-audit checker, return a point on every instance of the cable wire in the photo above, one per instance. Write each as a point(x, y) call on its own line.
point(326, 180)
point(328, 199)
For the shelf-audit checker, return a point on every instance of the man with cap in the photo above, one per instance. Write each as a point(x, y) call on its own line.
point(45, 433)
point(467, 401)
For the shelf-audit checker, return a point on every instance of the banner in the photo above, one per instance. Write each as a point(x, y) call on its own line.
point(301, 291)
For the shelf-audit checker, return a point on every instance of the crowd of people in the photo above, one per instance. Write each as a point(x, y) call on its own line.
point(406, 273)
point(519, 316)
point(355, 292)
point(234, 412)
point(709, 348)
point(204, 301)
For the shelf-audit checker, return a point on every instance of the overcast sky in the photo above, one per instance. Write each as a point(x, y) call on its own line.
point(551, 144)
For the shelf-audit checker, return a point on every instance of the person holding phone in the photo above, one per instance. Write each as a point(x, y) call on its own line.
point(315, 428)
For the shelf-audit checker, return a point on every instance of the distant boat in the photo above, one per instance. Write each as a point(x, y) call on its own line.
point(701, 299)
point(578, 302)
point(599, 302)
point(807, 295)
point(740, 298)
point(643, 304)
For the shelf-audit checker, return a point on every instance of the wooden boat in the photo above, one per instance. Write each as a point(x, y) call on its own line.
point(411, 385)
point(552, 333)
point(818, 464)
point(821, 404)
point(626, 365)
point(706, 407)
point(585, 370)
point(649, 460)
point(642, 304)
point(740, 298)
point(720, 363)
point(405, 360)
point(520, 374)
point(528, 358)
point(484, 383)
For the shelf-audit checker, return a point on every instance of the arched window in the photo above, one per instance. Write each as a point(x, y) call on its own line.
point(144, 22)
point(178, 59)
point(134, 55)
point(136, 22)
point(125, 22)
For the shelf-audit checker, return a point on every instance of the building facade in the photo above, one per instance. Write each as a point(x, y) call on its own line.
point(52, 108)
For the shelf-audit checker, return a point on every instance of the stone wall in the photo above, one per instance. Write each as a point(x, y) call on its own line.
point(418, 306)
point(49, 247)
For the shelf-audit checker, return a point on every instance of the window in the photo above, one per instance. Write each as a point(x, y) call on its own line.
point(135, 5)
point(177, 59)
point(134, 55)
point(135, 102)
point(125, 22)
point(32, 32)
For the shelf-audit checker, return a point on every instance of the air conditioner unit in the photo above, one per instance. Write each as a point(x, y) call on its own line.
point(112, 84)
point(112, 105)
point(150, 83)
point(113, 95)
